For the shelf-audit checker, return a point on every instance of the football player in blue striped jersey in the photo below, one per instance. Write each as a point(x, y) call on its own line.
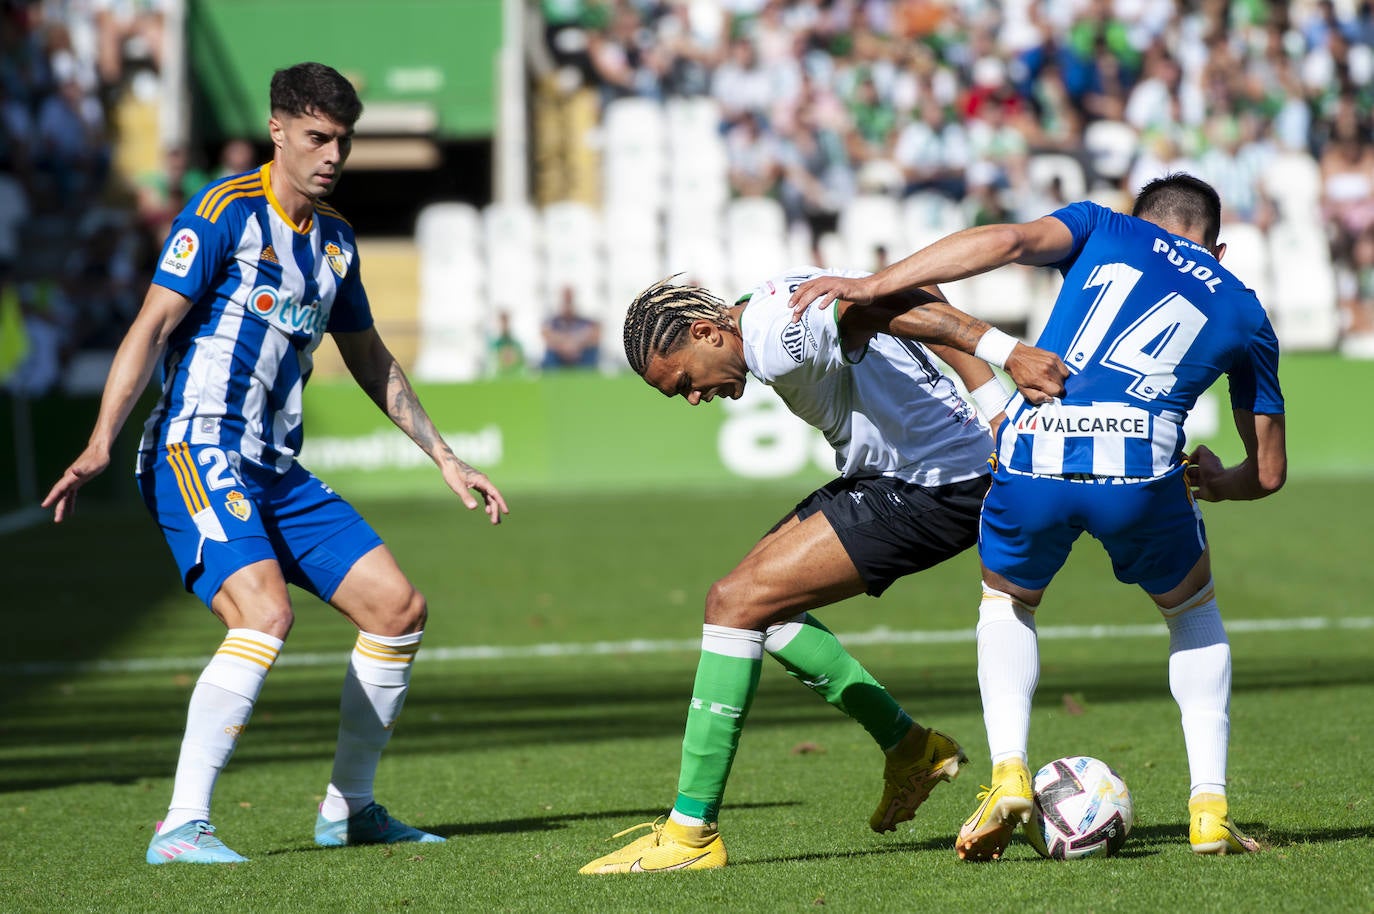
point(1146, 320)
point(256, 270)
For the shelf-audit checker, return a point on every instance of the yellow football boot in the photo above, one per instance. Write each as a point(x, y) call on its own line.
point(1007, 803)
point(668, 846)
point(920, 761)
point(1210, 829)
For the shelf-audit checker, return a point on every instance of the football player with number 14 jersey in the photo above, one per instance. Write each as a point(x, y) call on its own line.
point(1146, 320)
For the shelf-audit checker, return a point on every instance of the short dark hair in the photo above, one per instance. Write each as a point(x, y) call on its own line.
point(1184, 200)
point(313, 88)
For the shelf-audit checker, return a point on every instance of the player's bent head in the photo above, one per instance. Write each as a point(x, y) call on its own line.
point(658, 318)
point(1183, 200)
point(314, 88)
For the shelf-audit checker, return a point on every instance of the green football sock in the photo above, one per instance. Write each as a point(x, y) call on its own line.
point(812, 654)
point(727, 677)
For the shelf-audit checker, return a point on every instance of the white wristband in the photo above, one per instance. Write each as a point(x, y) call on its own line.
point(991, 398)
point(994, 347)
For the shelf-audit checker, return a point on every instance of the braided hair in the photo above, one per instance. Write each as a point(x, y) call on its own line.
point(656, 319)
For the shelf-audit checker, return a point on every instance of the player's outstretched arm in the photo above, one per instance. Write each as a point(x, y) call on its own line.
point(1262, 472)
point(954, 257)
point(923, 314)
point(130, 371)
point(382, 378)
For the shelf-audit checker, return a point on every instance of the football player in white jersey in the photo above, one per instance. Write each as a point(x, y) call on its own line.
point(257, 269)
point(913, 465)
point(1147, 320)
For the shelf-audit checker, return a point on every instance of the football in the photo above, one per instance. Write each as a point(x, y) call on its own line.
point(1082, 809)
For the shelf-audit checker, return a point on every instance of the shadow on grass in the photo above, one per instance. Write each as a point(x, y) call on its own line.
point(98, 734)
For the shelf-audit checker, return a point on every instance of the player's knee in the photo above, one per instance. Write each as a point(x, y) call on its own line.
point(1000, 606)
point(412, 614)
point(734, 603)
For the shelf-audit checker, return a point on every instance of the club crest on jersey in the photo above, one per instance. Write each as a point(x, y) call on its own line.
point(795, 338)
point(181, 253)
point(337, 261)
point(285, 312)
point(238, 505)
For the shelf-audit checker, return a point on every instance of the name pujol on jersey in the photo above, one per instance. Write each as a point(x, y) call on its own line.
point(1204, 274)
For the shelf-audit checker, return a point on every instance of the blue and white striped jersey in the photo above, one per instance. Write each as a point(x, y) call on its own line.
point(264, 291)
point(1146, 322)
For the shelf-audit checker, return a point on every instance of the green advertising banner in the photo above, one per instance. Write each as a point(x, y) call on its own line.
point(587, 432)
point(580, 432)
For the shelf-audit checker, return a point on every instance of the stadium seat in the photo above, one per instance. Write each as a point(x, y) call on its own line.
point(699, 256)
point(634, 153)
point(1293, 181)
point(1001, 296)
point(868, 222)
point(452, 297)
point(928, 217)
point(511, 244)
point(1111, 148)
point(755, 240)
point(573, 252)
point(448, 229)
point(1043, 168)
point(1247, 256)
point(1302, 304)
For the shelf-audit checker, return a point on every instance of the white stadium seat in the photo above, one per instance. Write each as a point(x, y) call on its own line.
point(1302, 304)
point(867, 222)
point(572, 252)
point(755, 240)
point(1111, 147)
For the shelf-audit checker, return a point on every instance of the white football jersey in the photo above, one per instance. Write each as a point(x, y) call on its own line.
point(885, 408)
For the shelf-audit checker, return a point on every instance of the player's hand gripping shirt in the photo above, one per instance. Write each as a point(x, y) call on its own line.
point(264, 292)
point(1146, 321)
point(885, 408)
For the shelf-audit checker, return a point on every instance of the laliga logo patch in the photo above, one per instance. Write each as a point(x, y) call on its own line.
point(181, 253)
point(337, 262)
point(238, 505)
point(794, 339)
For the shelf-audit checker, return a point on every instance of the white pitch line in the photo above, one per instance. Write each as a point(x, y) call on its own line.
point(645, 646)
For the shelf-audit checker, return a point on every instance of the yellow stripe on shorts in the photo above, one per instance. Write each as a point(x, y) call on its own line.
point(192, 492)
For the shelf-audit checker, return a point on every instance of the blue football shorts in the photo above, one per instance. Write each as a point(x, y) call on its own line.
point(1152, 529)
point(219, 516)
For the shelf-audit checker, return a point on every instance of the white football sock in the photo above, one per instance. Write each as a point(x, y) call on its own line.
point(219, 710)
point(373, 693)
point(1008, 671)
point(1200, 680)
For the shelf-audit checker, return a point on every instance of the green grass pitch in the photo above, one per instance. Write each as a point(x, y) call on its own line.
point(529, 757)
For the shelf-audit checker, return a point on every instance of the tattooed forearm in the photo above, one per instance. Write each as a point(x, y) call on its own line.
point(405, 410)
point(938, 322)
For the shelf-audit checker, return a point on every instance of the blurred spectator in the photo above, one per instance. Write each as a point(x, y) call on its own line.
point(570, 339)
point(72, 146)
point(236, 157)
point(755, 160)
point(506, 357)
point(933, 153)
point(47, 341)
point(1347, 201)
point(163, 192)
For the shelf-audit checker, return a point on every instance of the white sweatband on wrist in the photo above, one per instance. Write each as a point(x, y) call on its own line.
point(991, 398)
point(994, 347)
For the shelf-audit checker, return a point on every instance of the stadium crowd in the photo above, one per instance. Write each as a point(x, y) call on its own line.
point(823, 99)
point(820, 100)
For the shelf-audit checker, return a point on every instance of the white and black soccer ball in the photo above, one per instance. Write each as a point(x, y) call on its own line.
point(1082, 809)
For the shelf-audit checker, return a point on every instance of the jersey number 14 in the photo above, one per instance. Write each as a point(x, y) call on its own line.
point(1148, 350)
